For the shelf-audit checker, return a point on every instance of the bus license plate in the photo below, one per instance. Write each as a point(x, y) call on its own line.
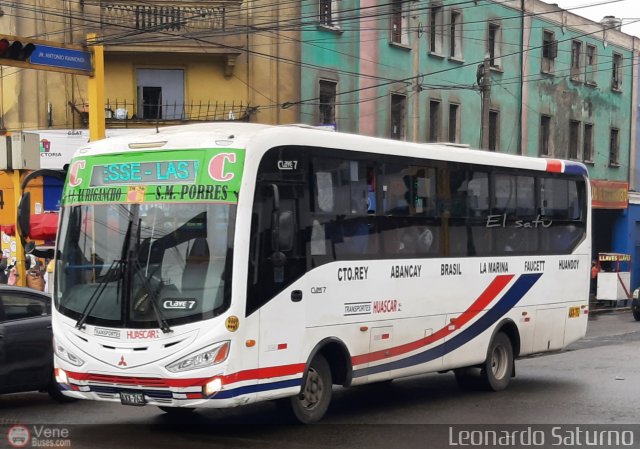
point(574, 312)
point(132, 398)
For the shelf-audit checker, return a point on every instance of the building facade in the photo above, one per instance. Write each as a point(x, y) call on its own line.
point(516, 76)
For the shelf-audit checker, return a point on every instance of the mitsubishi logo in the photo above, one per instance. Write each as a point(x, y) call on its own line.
point(122, 362)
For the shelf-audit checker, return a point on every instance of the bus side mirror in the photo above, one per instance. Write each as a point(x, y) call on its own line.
point(24, 214)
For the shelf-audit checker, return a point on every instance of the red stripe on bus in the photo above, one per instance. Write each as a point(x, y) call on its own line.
point(158, 382)
point(554, 165)
point(490, 293)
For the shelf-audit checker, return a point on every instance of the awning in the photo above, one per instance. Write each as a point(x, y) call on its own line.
point(10, 230)
point(44, 226)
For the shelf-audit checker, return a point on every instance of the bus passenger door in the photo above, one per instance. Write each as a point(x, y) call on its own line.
point(275, 289)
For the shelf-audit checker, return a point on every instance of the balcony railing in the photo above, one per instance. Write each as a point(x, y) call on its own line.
point(142, 26)
point(145, 17)
point(125, 113)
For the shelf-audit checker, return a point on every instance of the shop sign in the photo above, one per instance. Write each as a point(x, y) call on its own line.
point(609, 194)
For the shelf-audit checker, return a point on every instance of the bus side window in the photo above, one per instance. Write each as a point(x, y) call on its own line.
point(344, 196)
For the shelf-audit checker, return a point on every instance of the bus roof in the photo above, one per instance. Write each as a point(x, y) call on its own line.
point(241, 135)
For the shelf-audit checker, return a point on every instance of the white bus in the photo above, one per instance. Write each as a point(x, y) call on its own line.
point(222, 264)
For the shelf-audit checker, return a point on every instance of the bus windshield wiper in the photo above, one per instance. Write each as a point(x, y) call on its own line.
point(114, 272)
point(111, 275)
point(151, 295)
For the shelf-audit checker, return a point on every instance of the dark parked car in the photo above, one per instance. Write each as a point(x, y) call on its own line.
point(26, 348)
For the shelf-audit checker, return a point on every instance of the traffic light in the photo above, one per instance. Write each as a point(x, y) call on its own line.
point(16, 50)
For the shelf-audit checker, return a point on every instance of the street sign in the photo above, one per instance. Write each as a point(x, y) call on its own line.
point(60, 57)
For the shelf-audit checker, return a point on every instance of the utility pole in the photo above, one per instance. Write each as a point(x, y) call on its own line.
point(484, 82)
point(96, 91)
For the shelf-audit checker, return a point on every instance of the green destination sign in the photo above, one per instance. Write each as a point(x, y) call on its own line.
point(204, 175)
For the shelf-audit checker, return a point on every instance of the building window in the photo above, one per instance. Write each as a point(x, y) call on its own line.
point(328, 12)
point(574, 137)
point(549, 51)
point(616, 75)
point(160, 94)
point(434, 121)
point(494, 130)
point(576, 63)
point(493, 43)
point(592, 61)
point(614, 146)
point(327, 102)
point(587, 143)
point(545, 135)
point(435, 29)
point(398, 106)
point(454, 119)
point(455, 35)
point(399, 23)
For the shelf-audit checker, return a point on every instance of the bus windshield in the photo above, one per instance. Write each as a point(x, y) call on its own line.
point(141, 262)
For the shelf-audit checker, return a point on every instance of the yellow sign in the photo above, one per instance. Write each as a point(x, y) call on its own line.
point(574, 312)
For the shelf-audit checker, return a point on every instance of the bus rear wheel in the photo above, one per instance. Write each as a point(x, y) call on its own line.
point(311, 404)
point(496, 371)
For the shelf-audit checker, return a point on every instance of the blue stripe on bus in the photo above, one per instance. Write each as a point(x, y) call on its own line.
point(248, 389)
point(574, 168)
point(508, 301)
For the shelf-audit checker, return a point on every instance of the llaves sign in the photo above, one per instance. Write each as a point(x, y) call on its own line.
point(203, 175)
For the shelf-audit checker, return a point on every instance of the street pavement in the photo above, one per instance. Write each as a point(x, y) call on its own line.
point(592, 382)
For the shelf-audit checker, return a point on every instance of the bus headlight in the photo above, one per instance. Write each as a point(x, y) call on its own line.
point(201, 359)
point(67, 356)
point(212, 387)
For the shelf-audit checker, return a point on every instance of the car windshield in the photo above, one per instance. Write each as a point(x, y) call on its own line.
point(125, 257)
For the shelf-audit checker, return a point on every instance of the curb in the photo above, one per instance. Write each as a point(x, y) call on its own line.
point(609, 310)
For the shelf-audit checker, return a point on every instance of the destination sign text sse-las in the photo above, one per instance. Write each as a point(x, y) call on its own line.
point(131, 173)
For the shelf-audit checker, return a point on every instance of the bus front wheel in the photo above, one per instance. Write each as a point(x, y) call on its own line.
point(496, 371)
point(312, 402)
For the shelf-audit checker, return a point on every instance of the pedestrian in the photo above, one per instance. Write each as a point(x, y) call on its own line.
point(12, 274)
point(4, 275)
point(595, 269)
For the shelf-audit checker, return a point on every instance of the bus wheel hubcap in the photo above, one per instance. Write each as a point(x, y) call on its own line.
point(499, 362)
point(312, 390)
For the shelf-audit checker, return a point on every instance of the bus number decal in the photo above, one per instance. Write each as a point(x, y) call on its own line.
point(318, 290)
point(287, 165)
point(179, 304)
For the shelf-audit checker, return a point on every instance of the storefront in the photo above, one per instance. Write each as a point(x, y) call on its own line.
point(616, 222)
